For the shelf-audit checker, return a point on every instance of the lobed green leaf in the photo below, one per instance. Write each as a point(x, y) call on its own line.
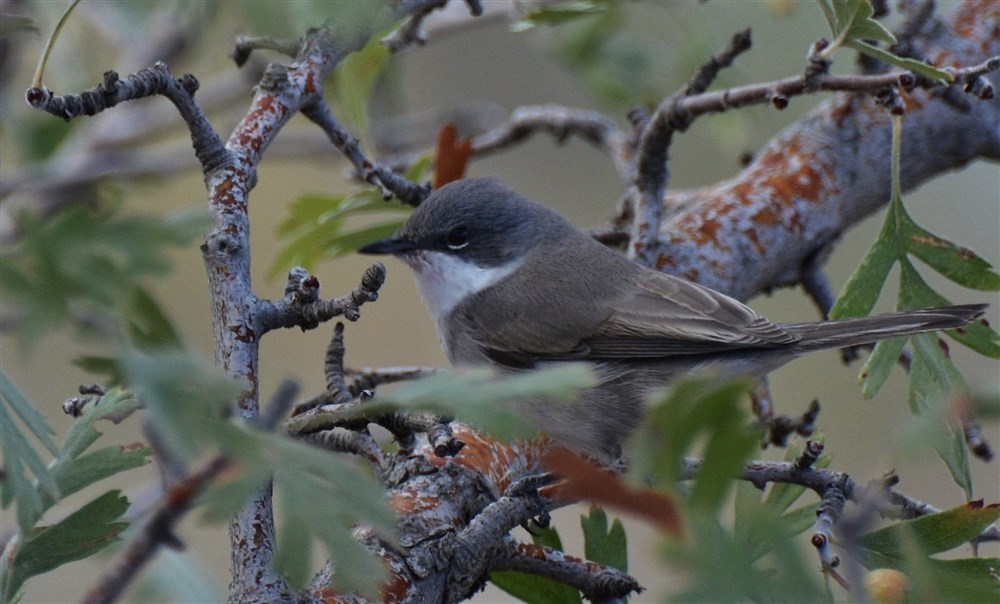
point(535, 589)
point(862, 290)
point(80, 535)
point(958, 264)
point(879, 365)
point(933, 533)
point(608, 546)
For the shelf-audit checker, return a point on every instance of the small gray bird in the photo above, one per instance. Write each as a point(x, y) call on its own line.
point(513, 284)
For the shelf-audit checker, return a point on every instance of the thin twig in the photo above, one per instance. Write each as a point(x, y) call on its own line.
point(560, 122)
point(652, 173)
point(302, 307)
point(410, 32)
point(387, 181)
point(152, 81)
point(367, 379)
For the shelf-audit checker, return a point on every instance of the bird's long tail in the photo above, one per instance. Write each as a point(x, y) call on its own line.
point(841, 333)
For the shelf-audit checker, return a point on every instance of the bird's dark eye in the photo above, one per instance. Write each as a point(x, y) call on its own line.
point(457, 237)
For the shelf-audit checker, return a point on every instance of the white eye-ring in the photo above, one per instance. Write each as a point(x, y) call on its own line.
point(457, 237)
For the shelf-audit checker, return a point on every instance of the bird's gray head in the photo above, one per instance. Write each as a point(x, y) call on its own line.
point(467, 236)
point(478, 220)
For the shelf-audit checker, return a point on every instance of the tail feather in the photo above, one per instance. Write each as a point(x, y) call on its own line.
point(841, 333)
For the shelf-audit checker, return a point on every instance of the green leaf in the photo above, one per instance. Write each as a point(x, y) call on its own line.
point(557, 13)
point(916, 293)
point(917, 67)
point(184, 395)
point(177, 577)
point(928, 400)
point(933, 533)
point(83, 261)
point(604, 545)
point(755, 516)
point(355, 79)
point(20, 456)
point(147, 324)
point(906, 546)
point(879, 365)
point(958, 264)
point(303, 475)
point(32, 418)
point(316, 227)
point(704, 411)
point(80, 535)
point(829, 15)
point(534, 589)
point(852, 20)
point(478, 396)
point(965, 580)
point(722, 566)
point(73, 475)
point(114, 406)
point(862, 290)
point(101, 365)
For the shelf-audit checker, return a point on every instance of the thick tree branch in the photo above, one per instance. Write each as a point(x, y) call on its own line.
point(820, 176)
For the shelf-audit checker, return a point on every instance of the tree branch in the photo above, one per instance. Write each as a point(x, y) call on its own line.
point(157, 531)
point(302, 306)
point(560, 122)
point(387, 181)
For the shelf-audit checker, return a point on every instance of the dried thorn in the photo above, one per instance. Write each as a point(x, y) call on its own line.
point(810, 454)
point(980, 87)
point(93, 389)
point(907, 81)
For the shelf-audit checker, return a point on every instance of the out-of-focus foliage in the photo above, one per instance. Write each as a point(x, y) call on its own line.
point(87, 266)
point(617, 68)
point(317, 226)
point(37, 549)
point(908, 547)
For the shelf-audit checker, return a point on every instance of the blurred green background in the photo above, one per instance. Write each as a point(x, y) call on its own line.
point(475, 74)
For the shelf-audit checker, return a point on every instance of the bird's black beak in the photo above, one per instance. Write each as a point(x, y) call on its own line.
point(389, 246)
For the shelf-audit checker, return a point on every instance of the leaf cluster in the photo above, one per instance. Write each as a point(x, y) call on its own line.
point(37, 549)
point(933, 376)
point(86, 267)
point(909, 547)
point(317, 226)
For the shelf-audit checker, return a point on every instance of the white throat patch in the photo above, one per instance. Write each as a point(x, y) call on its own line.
point(444, 280)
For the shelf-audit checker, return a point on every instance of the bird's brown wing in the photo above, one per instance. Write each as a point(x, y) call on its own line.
point(667, 316)
point(639, 314)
